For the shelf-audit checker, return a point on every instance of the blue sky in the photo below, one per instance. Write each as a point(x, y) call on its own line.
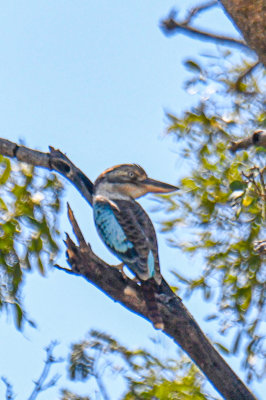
point(93, 79)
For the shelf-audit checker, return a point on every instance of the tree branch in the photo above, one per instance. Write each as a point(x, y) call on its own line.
point(179, 324)
point(245, 74)
point(258, 139)
point(249, 17)
point(195, 11)
point(101, 386)
point(54, 160)
point(170, 25)
point(40, 385)
point(9, 389)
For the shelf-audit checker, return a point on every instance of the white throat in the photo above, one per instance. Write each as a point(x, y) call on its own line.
point(108, 191)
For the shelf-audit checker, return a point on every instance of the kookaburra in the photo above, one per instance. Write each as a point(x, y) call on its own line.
point(125, 227)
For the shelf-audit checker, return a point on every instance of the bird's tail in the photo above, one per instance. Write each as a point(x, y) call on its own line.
point(149, 290)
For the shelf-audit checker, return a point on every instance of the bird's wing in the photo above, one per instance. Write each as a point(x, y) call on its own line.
point(142, 219)
point(111, 231)
point(128, 232)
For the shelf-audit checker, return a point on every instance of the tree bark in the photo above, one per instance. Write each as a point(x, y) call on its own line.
point(250, 18)
point(178, 322)
point(257, 139)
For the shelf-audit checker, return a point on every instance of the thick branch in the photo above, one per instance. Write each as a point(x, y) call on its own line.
point(179, 324)
point(249, 17)
point(54, 160)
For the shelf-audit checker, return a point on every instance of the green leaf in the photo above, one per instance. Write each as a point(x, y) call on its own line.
point(192, 65)
point(237, 185)
point(18, 315)
point(222, 348)
point(189, 184)
point(5, 175)
point(40, 266)
point(3, 205)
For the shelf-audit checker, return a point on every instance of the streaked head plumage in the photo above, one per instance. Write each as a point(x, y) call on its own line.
point(122, 173)
point(130, 180)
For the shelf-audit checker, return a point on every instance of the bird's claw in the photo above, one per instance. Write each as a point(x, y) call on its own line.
point(120, 268)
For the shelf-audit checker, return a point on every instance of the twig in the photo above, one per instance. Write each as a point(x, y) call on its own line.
point(101, 386)
point(9, 389)
point(170, 25)
point(67, 270)
point(263, 192)
point(195, 11)
point(246, 73)
point(40, 384)
point(75, 227)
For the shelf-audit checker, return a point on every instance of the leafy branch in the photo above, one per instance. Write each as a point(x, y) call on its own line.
point(179, 324)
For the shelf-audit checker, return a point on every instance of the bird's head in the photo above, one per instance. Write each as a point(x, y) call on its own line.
point(129, 180)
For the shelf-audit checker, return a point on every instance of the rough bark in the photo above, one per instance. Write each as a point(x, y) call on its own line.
point(250, 18)
point(178, 322)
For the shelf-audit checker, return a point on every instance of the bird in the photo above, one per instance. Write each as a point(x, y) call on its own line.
point(126, 228)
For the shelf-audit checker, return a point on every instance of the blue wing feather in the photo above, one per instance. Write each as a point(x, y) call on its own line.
point(110, 230)
point(128, 233)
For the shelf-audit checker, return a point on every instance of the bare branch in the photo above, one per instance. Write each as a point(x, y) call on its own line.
point(170, 25)
point(75, 226)
point(67, 270)
point(40, 384)
point(101, 386)
point(248, 16)
point(246, 73)
point(179, 324)
point(195, 11)
point(9, 389)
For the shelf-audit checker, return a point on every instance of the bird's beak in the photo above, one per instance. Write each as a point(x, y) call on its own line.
point(153, 186)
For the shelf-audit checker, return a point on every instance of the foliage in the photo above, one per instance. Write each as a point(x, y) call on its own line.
point(220, 210)
point(67, 395)
point(146, 377)
point(29, 207)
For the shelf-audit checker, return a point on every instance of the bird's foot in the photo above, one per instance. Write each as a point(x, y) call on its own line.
point(120, 268)
point(136, 280)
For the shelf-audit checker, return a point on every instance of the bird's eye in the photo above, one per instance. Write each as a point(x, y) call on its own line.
point(131, 174)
